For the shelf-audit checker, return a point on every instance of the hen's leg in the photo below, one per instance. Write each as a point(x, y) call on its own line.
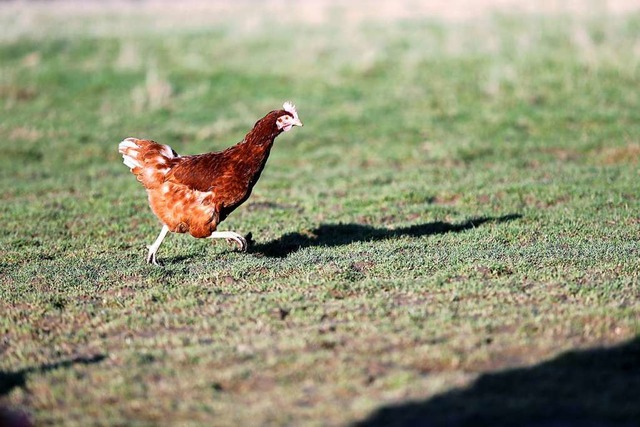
point(153, 249)
point(230, 235)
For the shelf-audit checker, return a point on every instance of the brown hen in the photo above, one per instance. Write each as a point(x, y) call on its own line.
point(196, 193)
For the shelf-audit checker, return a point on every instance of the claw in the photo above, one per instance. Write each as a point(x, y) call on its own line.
point(151, 257)
point(231, 237)
point(153, 249)
point(240, 241)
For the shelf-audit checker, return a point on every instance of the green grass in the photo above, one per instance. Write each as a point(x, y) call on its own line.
point(462, 200)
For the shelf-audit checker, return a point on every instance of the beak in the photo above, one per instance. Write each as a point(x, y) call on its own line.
point(297, 122)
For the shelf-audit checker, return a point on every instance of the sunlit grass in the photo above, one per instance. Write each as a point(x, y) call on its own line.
point(463, 198)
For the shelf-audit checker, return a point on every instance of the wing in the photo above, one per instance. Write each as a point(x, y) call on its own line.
point(224, 174)
point(200, 172)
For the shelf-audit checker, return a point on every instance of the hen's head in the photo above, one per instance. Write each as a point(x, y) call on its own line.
point(288, 118)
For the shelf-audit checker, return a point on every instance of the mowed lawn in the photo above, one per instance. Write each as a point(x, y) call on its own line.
point(452, 237)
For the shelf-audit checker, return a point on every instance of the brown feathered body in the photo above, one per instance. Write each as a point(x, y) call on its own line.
point(195, 193)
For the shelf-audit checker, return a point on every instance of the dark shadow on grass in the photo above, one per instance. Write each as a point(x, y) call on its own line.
point(598, 387)
point(10, 380)
point(171, 260)
point(343, 234)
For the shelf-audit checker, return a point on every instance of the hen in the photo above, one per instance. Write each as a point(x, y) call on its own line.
point(196, 193)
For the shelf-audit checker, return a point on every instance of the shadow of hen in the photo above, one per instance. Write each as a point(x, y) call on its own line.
point(328, 235)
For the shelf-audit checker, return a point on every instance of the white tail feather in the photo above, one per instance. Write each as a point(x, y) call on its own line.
point(127, 143)
point(130, 162)
point(129, 150)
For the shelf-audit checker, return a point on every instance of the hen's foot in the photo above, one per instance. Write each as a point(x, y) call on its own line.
point(231, 237)
point(240, 241)
point(151, 256)
point(153, 249)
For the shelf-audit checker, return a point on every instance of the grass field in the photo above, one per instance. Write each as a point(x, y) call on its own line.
point(453, 237)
